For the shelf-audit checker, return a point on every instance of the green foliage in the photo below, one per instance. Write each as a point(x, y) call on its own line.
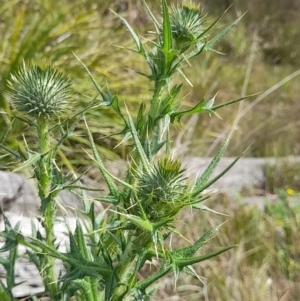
point(286, 215)
point(103, 261)
point(283, 174)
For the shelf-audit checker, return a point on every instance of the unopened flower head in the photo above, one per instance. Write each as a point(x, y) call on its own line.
point(187, 23)
point(163, 189)
point(40, 92)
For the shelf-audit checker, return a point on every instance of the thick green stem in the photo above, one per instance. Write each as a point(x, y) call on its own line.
point(153, 125)
point(86, 289)
point(48, 203)
point(157, 98)
point(126, 270)
point(45, 172)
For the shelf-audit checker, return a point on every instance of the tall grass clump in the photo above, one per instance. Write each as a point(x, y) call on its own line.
point(104, 259)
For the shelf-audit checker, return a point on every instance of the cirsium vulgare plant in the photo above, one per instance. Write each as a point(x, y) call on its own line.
point(143, 206)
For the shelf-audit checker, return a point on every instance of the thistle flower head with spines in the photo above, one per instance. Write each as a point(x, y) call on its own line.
point(40, 92)
point(188, 22)
point(163, 189)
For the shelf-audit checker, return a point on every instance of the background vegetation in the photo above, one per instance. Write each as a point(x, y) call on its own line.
point(262, 54)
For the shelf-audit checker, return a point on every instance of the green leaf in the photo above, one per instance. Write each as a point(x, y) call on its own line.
point(209, 104)
point(141, 119)
point(110, 286)
point(197, 109)
point(78, 265)
point(33, 158)
point(212, 42)
point(167, 30)
point(84, 286)
point(191, 271)
point(169, 58)
point(170, 104)
point(205, 208)
point(214, 108)
point(204, 186)
point(199, 47)
point(135, 37)
point(144, 224)
point(79, 236)
point(10, 234)
point(89, 74)
point(201, 182)
point(156, 23)
point(16, 155)
point(110, 199)
point(183, 262)
point(142, 285)
point(144, 160)
point(191, 250)
point(210, 27)
point(11, 243)
point(112, 101)
point(106, 175)
point(4, 294)
point(168, 54)
point(6, 131)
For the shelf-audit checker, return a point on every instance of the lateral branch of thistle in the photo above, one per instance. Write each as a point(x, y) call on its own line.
point(42, 93)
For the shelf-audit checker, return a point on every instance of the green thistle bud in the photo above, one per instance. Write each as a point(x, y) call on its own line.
point(162, 191)
point(187, 23)
point(40, 92)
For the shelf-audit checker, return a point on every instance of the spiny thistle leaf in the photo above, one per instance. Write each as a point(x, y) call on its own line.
point(170, 104)
point(169, 54)
point(201, 182)
point(204, 186)
point(196, 109)
point(183, 262)
point(136, 39)
point(214, 108)
point(79, 236)
point(166, 30)
point(211, 43)
point(16, 155)
point(144, 160)
point(156, 23)
point(10, 234)
point(191, 250)
point(205, 208)
point(142, 285)
point(106, 175)
point(4, 294)
point(33, 158)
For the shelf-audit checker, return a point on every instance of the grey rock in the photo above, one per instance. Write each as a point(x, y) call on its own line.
point(17, 194)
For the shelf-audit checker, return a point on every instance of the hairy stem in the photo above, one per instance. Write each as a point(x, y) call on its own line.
point(126, 270)
point(48, 204)
point(156, 99)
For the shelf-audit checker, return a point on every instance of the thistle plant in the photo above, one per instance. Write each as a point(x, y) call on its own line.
point(104, 258)
point(42, 94)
